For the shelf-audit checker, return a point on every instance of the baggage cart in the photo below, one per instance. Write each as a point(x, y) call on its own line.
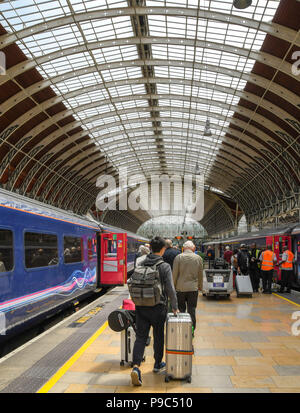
point(217, 282)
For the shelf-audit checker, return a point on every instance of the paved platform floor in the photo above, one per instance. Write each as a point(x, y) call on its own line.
point(241, 345)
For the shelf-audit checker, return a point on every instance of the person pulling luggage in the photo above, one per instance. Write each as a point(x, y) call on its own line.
point(188, 279)
point(243, 260)
point(151, 305)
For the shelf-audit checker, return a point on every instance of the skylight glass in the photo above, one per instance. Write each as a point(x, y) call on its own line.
point(127, 95)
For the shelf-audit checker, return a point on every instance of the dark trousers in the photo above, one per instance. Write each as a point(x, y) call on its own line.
point(145, 318)
point(254, 276)
point(267, 277)
point(188, 300)
point(286, 279)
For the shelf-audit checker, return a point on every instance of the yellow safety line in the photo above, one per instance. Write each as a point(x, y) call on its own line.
point(54, 379)
point(286, 299)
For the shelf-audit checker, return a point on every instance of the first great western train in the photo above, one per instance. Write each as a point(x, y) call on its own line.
point(50, 258)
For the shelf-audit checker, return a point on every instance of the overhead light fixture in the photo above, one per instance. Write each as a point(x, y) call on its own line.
point(197, 169)
point(242, 4)
point(207, 131)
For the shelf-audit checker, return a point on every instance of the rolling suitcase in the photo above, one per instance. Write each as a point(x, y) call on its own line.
point(127, 344)
point(243, 285)
point(179, 349)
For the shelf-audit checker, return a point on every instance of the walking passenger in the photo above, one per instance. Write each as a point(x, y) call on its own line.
point(243, 260)
point(268, 260)
point(170, 253)
point(287, 270)
point(188, 278)
point(234, 264)
point(254, 267)
point(154, 316)
point(228, 254)
point(210, 254)
point(139, 253)
point(144, 251)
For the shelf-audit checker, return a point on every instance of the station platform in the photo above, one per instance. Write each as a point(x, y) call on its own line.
point(241, 345)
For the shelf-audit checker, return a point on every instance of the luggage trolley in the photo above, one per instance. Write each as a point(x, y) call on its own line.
point(218, 281)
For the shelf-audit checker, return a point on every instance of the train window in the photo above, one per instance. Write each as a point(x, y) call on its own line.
point(41, 250)
point(111, 248)
point(92, 248)
point(6, 250)
point(72, 249)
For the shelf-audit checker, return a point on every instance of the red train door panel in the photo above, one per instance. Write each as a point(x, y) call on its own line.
point(113, 260)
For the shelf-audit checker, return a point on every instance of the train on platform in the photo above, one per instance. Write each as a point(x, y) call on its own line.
point(50, 258)
point(277, 237)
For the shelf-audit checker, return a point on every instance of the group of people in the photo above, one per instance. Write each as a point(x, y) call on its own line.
point(260, 264)
point(181, 276)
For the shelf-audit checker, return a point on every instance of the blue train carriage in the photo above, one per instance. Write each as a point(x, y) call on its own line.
point(48, 258)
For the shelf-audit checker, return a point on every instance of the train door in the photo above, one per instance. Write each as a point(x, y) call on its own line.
point(113, 259)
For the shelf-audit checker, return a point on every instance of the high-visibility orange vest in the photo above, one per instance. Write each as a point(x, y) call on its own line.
point(267, 260)
point(289, 262)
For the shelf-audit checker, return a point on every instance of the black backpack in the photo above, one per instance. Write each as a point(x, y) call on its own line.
point(244, 260)
point(145, 286)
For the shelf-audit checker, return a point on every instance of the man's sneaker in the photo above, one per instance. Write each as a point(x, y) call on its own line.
point(136, 377)
point(159, 367)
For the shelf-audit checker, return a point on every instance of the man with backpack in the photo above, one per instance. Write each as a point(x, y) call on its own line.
point(243, 260)
point(150, 286)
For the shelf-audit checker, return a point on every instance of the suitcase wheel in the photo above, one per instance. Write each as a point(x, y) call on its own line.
point(189, 379)
point(122, 363)
point(167, 379)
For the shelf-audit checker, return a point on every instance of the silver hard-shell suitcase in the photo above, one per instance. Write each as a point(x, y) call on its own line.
point(179, 348)
point(127, 343)
point(243, 285)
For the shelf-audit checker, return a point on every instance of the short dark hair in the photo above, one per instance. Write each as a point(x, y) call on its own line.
point(269, 247)
point(157, 243)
